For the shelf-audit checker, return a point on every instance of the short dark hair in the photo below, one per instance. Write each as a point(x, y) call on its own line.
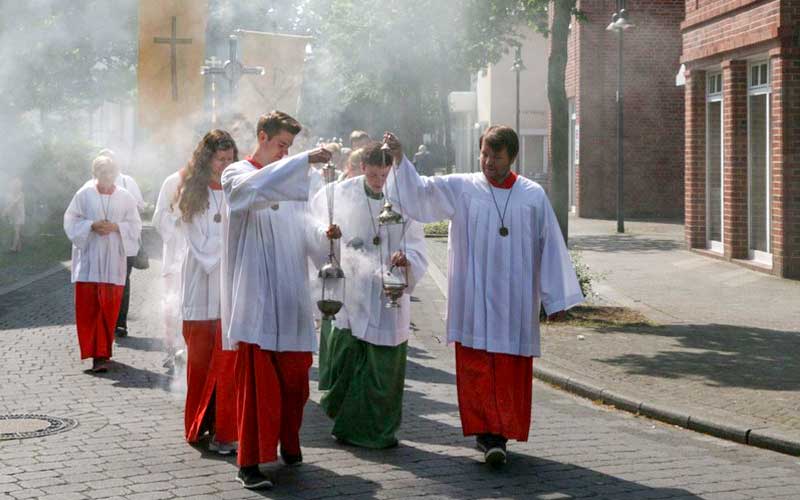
point(276, 121)
point(500, 137)
point(372, 154)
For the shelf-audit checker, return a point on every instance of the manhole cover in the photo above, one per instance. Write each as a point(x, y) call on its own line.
point(28, 426)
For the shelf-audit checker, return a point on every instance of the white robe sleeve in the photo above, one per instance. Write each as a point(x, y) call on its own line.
point(416, 254)
point(559, 284)
point(283, 180)
point(76, 224)
point(133, 188)
point(425, 199)
point(205, 249)
point(130, 227)
point(166, 218)
point(317, 226)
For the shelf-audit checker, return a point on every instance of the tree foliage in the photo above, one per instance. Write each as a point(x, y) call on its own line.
point(62, 56)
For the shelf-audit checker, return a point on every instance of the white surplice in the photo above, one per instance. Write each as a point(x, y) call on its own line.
point(364, 311)
point(495, 284)
point(200, 276)
point(128, 183)
point(265, 289)
point(167, 220)
point(96, 258)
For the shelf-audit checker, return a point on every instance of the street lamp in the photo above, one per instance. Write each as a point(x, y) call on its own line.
point(517, 67)
point(619, 23)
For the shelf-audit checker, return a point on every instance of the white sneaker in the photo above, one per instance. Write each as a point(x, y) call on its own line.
point(223, 448)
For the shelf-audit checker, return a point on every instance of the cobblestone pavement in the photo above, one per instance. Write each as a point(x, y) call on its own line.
point(128, 443)
point(727, 342)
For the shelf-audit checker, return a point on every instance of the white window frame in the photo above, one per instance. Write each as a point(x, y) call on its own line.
point(760, 88)
point(714, 95)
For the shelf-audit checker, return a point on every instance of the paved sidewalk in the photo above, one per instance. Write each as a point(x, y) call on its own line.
point(129, 439)
point(724, 357)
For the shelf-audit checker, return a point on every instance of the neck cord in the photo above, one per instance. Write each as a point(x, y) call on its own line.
point(376, 239)
point(503, 228)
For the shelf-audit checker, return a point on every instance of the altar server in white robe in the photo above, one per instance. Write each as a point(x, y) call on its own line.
point(103, 224)
point(210, 383)
point(506, 258)
point(166, 221)
point(266, 302)
point(364, 361)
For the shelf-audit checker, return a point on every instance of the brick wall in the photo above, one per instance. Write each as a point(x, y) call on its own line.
point(726, 33)
point(709, 34)
point(786, 165)
point(653, 138)
point(734, 112)
point(695, 174)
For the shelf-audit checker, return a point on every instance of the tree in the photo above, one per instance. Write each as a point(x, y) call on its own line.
point(558, 32)
point(382, 63)
point(552, 18)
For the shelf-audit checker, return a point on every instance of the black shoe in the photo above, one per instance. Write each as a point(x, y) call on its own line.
point(291, 460)
point(252, 478)
point(483, 442)
point(495, 452)
point(121, 331)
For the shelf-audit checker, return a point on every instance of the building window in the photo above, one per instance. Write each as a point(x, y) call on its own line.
point(714, 163)
point(758, 162)
point(533, 157)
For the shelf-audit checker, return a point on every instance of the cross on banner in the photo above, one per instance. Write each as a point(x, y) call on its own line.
point(232, 70)
point(173, 42)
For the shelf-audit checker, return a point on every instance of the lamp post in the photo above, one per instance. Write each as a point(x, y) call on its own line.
point(517, 67)
point(619, 23)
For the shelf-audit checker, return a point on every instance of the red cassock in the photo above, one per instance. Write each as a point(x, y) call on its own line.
point(494, 392)
point(209, 375)
point(272, 391)
point(96, 311)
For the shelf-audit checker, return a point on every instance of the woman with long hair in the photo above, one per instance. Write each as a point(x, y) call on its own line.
point(210, 396)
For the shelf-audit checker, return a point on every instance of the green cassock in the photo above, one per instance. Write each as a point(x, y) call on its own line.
point(365, 388)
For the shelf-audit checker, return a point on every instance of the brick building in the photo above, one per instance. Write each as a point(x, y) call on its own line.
point(742, 157)
point(653, 106)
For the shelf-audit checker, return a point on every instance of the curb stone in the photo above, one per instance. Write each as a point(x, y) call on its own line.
point(760, 437)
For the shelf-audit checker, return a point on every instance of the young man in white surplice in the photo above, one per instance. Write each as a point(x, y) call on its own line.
point(506, 257)
point(363, 352)
point(266, 301)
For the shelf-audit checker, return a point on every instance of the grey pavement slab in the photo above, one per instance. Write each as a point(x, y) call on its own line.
point(723, 357)
point(129, 439)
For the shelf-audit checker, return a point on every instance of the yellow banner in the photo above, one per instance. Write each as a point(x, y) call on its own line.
point(282, 57)
point(172, 47)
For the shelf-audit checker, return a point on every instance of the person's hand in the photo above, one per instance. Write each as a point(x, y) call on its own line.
point(395, 147)
point(557, 316)
point(102, 227)
point(333, 232)
point(319, 155)
point(399, 259)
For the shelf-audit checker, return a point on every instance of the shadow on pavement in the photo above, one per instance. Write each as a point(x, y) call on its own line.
point(127, 376)
point(148, 344)
point(623, 243)
point(312, 481)
point(724, 355)
point(47, 302)
point(459, 472)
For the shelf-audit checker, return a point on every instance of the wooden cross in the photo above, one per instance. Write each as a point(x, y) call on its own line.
point(173, 42)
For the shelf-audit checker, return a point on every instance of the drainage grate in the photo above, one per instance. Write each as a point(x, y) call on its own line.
point(32, 425)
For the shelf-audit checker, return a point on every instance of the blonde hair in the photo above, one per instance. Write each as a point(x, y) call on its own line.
point(356, 158)
point(101, 163)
